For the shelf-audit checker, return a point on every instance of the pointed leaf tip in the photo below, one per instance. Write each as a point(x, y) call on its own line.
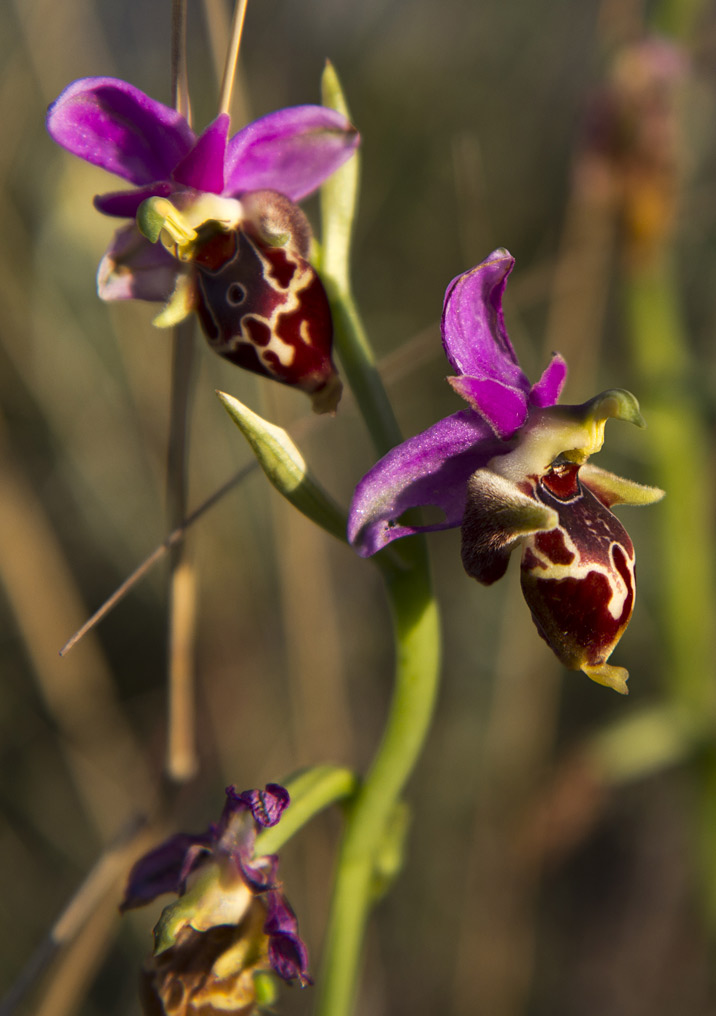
point(286, 468)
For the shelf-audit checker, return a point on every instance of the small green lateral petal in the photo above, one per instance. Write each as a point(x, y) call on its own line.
point(497, 515)
point(158, 213)
point(612, 489)
point(285, 467)
point(151, 218)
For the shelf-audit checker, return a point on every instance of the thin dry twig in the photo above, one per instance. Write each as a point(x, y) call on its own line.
point(237, 28)
point(99, 883)
point(418, 350)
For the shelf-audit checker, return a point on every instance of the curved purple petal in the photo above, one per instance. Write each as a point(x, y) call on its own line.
point(135, 269)
point(160, 870)
point(431, 468)
point(267, 805)
point(203, 167)
point(549, 387)
point(291, 151)
point(287, 951)
point(112, 124)
point(504, 408)
point(473, 326)
point(124, 204)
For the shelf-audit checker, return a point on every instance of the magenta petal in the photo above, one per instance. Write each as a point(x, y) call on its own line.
point(203, 167)
point(112, 124)
point(291, 151)
point(504, 408)
point(547, 390)
point(473, 325)
point(124, 204)
point(431, 468)
point(135, 269)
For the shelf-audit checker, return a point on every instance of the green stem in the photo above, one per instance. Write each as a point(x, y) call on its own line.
point(415, 618)
point(360, 369)
point(417, 637)
point(339, 197)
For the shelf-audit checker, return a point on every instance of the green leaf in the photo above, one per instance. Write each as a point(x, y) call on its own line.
point(285, 467)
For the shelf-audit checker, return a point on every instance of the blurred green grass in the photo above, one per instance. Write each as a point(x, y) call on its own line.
point(525, 889)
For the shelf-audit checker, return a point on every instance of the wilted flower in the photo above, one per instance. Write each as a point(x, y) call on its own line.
point(510, 470)
point(231, 925)
point(234, 245)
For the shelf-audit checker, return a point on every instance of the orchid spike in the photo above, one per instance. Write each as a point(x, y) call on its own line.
point(511, 470)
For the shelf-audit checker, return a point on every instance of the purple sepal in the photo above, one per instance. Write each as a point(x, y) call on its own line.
point(431, 468)
point(549, 387)
point(161, 870)
point(291, 151)
point(132, 268)
point(287, 952)
point(473, 325)
point(504, 408)
point(124, 204)
point(112, 124)
point(203, 167)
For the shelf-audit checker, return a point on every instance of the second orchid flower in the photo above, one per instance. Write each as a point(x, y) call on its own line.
point(512, 470)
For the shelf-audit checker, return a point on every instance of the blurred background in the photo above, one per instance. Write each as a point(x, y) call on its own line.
point(562, 856)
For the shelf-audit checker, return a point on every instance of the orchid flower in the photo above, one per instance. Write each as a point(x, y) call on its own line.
point(511, 470)
point(216, 226)
point(231, 923)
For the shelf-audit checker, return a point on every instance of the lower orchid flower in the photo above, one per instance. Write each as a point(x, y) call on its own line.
point(216, 227)
point(231, 926)
point(512, 470)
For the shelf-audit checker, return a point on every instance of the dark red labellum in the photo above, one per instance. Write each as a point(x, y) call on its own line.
point(264, 308)
point(578, 579)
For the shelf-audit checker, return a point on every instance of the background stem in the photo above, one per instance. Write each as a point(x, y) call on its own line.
point(181, 762)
